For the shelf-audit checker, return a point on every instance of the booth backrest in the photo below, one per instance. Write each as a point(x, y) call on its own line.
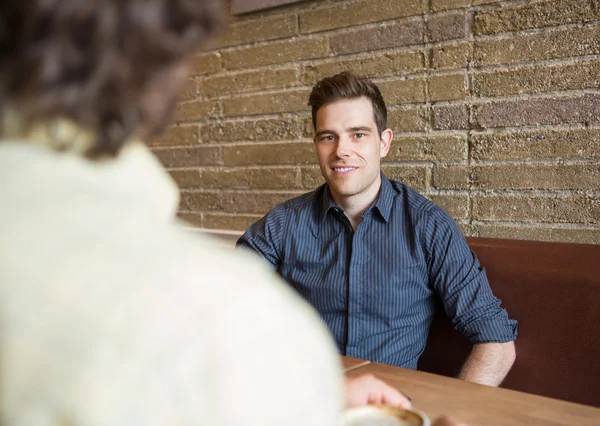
point(553, 290)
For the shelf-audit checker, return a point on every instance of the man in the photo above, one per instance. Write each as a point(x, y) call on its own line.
point(371, 254)
point(110, 312)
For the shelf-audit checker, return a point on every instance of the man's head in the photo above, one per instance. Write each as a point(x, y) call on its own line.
point(349, 117)
point(113, 67)
point(346, 85)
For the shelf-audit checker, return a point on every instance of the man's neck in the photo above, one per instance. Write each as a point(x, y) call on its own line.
point(355, 206)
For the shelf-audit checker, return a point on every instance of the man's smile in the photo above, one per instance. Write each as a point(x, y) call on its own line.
point(344, 169)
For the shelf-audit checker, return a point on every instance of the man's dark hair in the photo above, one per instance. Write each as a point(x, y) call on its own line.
point(346, 85)
point(93, 61)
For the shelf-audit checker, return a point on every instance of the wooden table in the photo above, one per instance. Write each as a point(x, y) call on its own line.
point(480, 405)
point(350, 363)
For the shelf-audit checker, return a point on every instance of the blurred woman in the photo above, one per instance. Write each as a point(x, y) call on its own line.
point(110, 312)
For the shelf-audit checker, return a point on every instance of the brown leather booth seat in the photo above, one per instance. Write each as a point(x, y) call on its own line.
point(553, 290)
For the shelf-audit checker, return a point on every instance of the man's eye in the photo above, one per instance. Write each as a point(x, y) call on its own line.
point(327, 138)
point(359, 135)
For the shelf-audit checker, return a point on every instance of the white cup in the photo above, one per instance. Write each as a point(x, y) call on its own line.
point(382, 415)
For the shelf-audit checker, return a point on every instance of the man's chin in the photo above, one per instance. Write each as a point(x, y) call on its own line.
point(342, 191)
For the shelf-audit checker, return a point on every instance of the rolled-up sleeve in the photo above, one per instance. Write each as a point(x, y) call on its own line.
point(264, 236)
point(462, 285)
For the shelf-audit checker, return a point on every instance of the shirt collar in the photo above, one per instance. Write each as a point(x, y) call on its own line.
point(383, 203)
point(385, 199)
point(327, 203)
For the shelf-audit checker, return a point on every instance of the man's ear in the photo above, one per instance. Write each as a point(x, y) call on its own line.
point(386, 141)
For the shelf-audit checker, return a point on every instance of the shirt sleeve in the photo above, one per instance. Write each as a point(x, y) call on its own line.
point(461, 283)
point(265, 236)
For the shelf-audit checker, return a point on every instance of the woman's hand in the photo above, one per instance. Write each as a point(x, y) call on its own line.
point(369, 390)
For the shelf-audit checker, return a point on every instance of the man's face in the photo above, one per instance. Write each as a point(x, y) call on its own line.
point(350, 149)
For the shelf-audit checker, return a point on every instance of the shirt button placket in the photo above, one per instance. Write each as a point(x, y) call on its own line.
point(355, 288)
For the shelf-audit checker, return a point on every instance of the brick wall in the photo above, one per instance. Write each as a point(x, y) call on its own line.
point(495, 108)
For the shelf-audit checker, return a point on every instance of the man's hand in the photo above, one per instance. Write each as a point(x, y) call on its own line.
point(369, 390)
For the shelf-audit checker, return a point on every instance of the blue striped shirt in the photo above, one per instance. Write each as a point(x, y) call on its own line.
point(377, 287)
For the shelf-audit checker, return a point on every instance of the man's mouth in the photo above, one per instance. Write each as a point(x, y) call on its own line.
point(343, 169)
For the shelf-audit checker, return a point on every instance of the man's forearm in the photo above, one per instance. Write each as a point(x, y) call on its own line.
point(489, 363)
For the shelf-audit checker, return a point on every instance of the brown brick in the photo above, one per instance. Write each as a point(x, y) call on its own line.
point(450, 117)
point(402, 33)
point(253, 202)
point(205, 63)
point(452, 57)
point(276, 53)
point(456, 205)
point(445, 27)
point(535, 15)
point(245, 178)
point(228, 221)
point(415, 177)
point(589, 235)
point(571, 42)
point(245, 32)
point(270, 103)
point(581, 109)
point(403, 91)
point(186, 178)
point(578, 143)
point(537, 209)
point(194, 201)
point(177, 135)
point(438, 5)
point(482, 2)
point(308, 129)
point(371, 67)
point(446, 87)
point(189, 157)
point(518, 176)
point(260, 130)
point(191, 219)
point(467, 229)
point(197, 110)
point(357, 13)
point(249, 81)
point(408, 120)
point(539, 177)
point(189, 89)
point(539, 79)
point(428, 148)
point(451, 177)
point(256, 154)
point(312, 177)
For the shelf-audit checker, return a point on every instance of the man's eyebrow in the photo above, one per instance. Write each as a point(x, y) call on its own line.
point(324, 132)
point(351, 129)
point(360, 128)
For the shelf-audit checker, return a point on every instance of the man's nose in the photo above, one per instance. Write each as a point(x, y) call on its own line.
point(343, 147)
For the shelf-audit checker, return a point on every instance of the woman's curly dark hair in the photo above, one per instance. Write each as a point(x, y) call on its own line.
point(91, 61)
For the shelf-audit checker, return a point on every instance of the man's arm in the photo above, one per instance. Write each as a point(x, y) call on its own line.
point(265, 236)
point(489, 363)
point(476, 313)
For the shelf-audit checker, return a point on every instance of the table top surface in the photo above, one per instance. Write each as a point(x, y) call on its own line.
point(477, 404)
point(350, 363)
